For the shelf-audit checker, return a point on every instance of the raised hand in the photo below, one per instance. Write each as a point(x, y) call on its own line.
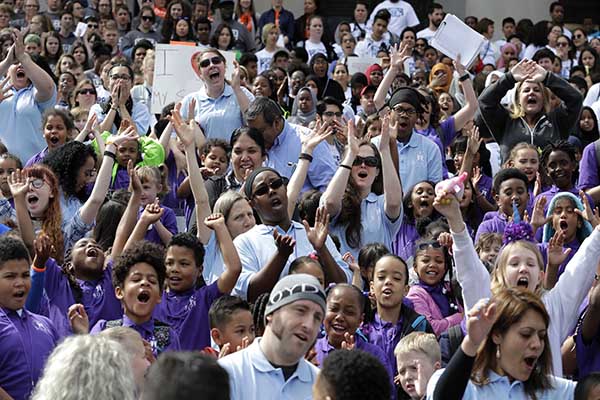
point(43, 249)
point(152, 213)
point(538, 218)
point(19, 50)
point(224, 350)
point(236, 76)
point(473, 140)
point(348, 343)
point(285, 243)
point(480, 320)
point(317, 235)
point(186, 132)
point(352, 264)
point(316, 135)
point(447, 205)
point(245, 343)
point(214, 220)
point(18, 184)
point(445, 239)
point(458, 66)
point(588, 214)
point(523, 70)
point(191, 110)
point(556, 253)
point(477, 175)
point(537, 186)
point(124, 135)
point(78, 319)
point(135, 185)
point(398, 56)
point(538, 73)
point(386, 127)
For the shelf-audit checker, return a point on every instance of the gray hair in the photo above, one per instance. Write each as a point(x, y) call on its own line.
point(85, 367)
point(266, 107)
point(225, 202)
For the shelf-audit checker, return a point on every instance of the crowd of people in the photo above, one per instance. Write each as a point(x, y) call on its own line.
point(419, 229)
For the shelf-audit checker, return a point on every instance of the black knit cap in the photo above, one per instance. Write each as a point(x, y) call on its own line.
point(408, 95)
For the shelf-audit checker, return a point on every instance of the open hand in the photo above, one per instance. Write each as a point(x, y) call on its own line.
point(78, 318)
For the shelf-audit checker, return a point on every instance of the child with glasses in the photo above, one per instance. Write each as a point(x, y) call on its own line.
point(432, 296)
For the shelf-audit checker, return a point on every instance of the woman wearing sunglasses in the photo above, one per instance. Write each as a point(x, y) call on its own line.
point(361, 214)
point(219, 104)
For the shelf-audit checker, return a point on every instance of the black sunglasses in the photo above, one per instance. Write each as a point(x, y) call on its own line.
point(87, 91)
point(213, 60)
point(147, 18)
point(370, 161)
point(426, 245)
point(264, 189)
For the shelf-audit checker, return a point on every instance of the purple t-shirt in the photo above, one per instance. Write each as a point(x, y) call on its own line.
point(404, 245)
point(120, 180)
point(168, 219)
point(98, 297)
point(26, 341)
point(588, 169)
point(187, 314)
point(323, 348)
point(448, 133)
point(493, 222)
point(386, 336)
point(37, 158)
point(147, 331)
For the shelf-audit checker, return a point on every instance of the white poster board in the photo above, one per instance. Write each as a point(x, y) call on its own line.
point(360, 64)
point(454, 37)
point(174, 74)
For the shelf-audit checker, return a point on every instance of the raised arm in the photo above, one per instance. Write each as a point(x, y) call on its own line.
point(165, 139)
point(309, 142)
point(151, 215)
point(472, 275)
point(391, 180)
point(242, 99)
point(90, 208)
point(332, 198)
point(40, 79)
point(189, 133)
point(129, 218)
point(397, 58)
point(591, 320)
point(467, 112)
point(231, 259)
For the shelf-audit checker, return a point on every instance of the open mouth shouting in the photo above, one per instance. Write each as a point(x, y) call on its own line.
point(32, 199)
point(143, 297)
point(523, 282)
point(563, 225)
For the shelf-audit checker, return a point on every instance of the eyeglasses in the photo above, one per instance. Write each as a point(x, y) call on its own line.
point(122, 77)
point(562, 44)
point(264, 189)
point(93, 26)
point(426, 245)
point(370, 161)
point(332, 114)
point(147, 18)
point(213, 60)
point(87, 91)
point(37, 183)
point(406, 111)
point(578, 36)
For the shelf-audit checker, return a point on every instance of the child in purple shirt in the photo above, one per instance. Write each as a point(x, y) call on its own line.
point(559, 161)
point(393, 319)
point(154, 184)
point(566, 228)
point(344, 314)
point(418, 207)
point(431, 296)
point(26, 339)
point(587, 337)
point(510, 187)
point(526, 158)
point(138, 278)
point(85, 279)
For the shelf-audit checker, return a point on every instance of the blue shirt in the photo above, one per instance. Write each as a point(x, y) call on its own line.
point(139, 114)
point(21, 127)
point(253, 377)
point(218, 117)
point(285, 151)
point(419, 160)
point(213, 260)
point(257, 246)
point(377, 227)
point(500, 387)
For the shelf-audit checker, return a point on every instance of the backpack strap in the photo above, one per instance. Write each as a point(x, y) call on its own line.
point(419, 324)
point(455, 337)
